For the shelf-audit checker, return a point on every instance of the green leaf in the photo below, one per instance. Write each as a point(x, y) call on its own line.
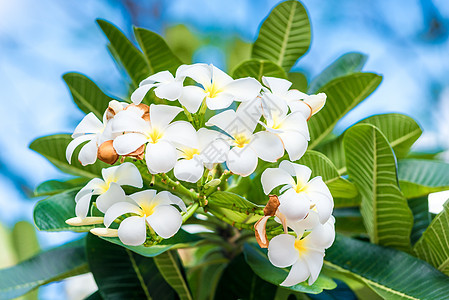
point(25, 240)
point(129, 56)
point(322, 166)
point(53, 147)
point(52, 187)
point(343, 94)
point(349, 221)
point(421, 216)
point(433, 246)
point(48, 266)
point(419, 177)
point(170, 267)
point(258, 261)
point(86, 94)
point(123, 274)
point(392, 274)
point(159, 57)
point(371, 165)
point(299, 81)
point(182, 239)
point(284, 36)
point(225, 203)
point(258, 68)
point(238, 281)
point(346, 64)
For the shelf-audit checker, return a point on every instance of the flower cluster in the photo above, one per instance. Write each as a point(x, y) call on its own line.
point(269, 120)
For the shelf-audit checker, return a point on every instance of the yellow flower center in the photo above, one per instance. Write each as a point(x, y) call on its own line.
point(212, 90)
point(104, 187)
point(300, 245)
point(154, 135)
point(240, 140)
point(148, 209)
point(189, 153)
point(276, 123)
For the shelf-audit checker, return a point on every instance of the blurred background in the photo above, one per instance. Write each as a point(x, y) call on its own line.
point(406, 41)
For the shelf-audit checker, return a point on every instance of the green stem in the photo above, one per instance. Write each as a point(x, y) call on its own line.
point(223, 178)
point(165, 182)
point(235, 224)
point(190, 211)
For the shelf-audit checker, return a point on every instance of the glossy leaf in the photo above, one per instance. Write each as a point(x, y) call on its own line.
point(159, 57)
point(343, 94)
point(419, 177)
point(433, 246)
point(130, 58)
point(299, 81)
point(392, 274)
point(86, 94)
point(52, 187)
point(48, 266)
point(53, 147)
point(284, 35)
point(123, 274)
point(25, 240)
point(371, 165)
point(346, 64)
point(258, 261)
point(421, 217)
point(349, 221)
point(258, 68)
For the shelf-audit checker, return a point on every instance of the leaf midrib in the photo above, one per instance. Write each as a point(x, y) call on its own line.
point(138, 274)
point(287, 33)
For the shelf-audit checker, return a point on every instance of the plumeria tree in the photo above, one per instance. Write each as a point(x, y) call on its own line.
point(204, 184)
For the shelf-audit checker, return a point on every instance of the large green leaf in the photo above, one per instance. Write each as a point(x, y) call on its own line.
point(347, 63)
point(284, 36)
point(419, 177)
point(343, 94)
point(371, 165)
point(130, 58)
point(123, 274)
point(392, 274)
point(299, 81)
point(258, 261)
point(322, 166)
point(159, 57)
point(421, 217)
point(349, 221)
point(258, 68)
point(433, 246)
point(170, 267)
point(225, 203)
point(53, 147)
point(25, 240)
point(238, 281)
point(86, 94)
point(52, 187)
point(48, 266)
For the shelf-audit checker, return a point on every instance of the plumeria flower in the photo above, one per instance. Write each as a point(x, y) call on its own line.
point(217, 87)
point(308, 105)
point(301, 195)
point(212, 149)
point(247, 146)
point(166, 86)
point(158, 133)
point(93, 130)
point(304, 254)
point(109, 188)
point(147, 208)
point(291, 128)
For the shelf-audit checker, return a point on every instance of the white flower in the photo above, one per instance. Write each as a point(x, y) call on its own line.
point(247, 146)
point(147, 207)
point(291, 128)
point(166, 86)
point(308, 105)
point(219, 89)
point(305, 254)
point(212, 149)
point(160, 135)
point(299, 195)
point(109, 189)
point(93, 130)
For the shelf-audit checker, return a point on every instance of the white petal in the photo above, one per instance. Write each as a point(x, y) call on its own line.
point(119, 209)
point(308, 223)
point(128, 174)
point(294, 95)
point(138, 95)
point(274, 108)
point(167, 198)
point(166, 221)
point(133, 231)
point(88, 154)
point(317, 185)
point(201, 73)
point(160, 157)
point(298, 273)
point(314, 261)
point(170, 91)
point(268, 146)
point(82, 206)
point(129, 142)
point(302, 173)
point(163, 76)
point(242, 161)
point(130, 121)
point(181, 133)
point(223, 120)
point(295, 121)
point(322, 236)
point(277, 85)
point(243, 89)
point(321, 197)
point(192, 97)
point(301, 107)
point(273, 177)
point(213, 146)
point(75, 143)
point(295, 144)
point(220, 101)
point(89, 124)
point(108, 174)
point(294, 206)
point(113, 195)
point(90, 187)
point(161, 115)
point(316, 102)
point(143, 198)
point(220, 78)
point(248, 115)
point(190, 170)
point(281, 251)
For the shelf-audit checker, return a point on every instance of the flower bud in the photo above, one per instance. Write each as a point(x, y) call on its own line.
point(86, 221)
point(113, 108)
point(107, 153)
point(106, 232)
